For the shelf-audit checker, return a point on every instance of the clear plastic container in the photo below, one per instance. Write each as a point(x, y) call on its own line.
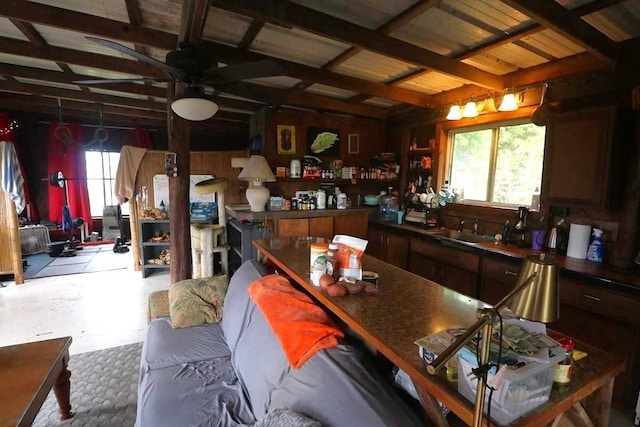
point(389, 206)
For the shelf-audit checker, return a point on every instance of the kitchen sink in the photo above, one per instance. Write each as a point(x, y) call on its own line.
point(459, 235)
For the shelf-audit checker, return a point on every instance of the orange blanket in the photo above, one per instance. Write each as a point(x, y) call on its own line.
point(302, 327)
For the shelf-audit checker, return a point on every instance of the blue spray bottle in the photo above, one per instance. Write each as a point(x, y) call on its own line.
point(596, 248)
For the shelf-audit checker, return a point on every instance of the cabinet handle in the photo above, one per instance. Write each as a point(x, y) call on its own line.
point(591, 297)
point(387, 241)
point(510, 273)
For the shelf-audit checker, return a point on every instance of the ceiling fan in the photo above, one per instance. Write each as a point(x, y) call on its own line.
point(192, 65)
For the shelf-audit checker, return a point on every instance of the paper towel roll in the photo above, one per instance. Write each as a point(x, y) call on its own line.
point(579, 236)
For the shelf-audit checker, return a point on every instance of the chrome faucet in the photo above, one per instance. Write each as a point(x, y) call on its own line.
point(461, 226)
point(475, 226)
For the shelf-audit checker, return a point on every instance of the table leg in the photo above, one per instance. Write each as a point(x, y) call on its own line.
point(598, 404)
point(431, 408)
point(62, 390)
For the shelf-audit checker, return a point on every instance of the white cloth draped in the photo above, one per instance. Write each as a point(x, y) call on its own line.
point(11, 177)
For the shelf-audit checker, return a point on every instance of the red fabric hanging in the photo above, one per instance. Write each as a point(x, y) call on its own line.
point(142, 138)
point(7, 134)
point(69, 158)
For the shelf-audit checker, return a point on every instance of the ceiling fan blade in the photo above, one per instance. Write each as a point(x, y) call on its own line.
point(249, 93)
point(131, 52)
point(102, 81)
point(244, 71)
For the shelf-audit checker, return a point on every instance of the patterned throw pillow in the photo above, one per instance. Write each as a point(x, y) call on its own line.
point(196, 301)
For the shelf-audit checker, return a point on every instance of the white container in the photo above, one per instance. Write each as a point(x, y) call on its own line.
point(295, 168)
point(342, 201)
point(579, 236)
point(321, 199)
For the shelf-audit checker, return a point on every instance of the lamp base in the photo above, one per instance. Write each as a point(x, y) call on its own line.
point(257, 196)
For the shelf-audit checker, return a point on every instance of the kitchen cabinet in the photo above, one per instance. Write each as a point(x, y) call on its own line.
point(353, 225)
point(608, 320)
point(388, 247)
point(584, 158)
point(498, 279)
point(450, 267)
point(316, 227)
point(150, 230)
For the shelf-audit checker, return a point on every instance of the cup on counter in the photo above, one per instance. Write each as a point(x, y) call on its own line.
point(370, 276)
point(400, 216)
point(537, 239)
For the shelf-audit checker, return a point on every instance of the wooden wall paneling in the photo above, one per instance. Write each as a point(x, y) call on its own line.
point(217, 163)
point(10, 253)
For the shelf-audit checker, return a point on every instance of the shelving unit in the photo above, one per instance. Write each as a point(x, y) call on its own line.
point(149, 250)
point(239, 237)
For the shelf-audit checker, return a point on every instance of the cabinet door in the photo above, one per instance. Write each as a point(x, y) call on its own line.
point(353, 225)
point(498, 279)
point(321, 227)
point(375, 245)
point(293, 227)
point(577, 158)
point(425, 267)
point(460, 280)
point(397, 249)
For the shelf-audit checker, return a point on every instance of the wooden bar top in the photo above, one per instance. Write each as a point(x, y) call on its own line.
point(409, 307)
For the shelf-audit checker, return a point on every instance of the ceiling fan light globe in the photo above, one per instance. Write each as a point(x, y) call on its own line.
point(194, 109)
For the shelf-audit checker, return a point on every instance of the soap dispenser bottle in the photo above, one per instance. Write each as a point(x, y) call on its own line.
point(596, 248)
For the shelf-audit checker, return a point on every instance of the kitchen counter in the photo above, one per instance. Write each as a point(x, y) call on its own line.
point(242, 212)
point(617, 279)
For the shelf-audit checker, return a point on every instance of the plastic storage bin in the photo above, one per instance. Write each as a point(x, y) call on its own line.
point(521, 390)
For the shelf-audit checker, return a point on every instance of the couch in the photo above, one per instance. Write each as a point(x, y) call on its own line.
point(235, 373)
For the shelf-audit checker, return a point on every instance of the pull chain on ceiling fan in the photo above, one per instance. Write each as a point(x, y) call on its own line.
point(192, 65)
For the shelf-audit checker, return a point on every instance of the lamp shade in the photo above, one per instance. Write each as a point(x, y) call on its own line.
point(257, 169)
point(470, 110)
point(508, 103)
point(539, 301)
point(454, 113)
point(194, 105)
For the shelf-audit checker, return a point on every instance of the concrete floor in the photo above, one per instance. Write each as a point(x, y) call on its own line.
point(99, 310)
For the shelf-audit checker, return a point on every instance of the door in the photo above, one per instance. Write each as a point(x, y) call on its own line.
point(293, 227)
point(397, 250)
point(352, 225)
point(321, 227)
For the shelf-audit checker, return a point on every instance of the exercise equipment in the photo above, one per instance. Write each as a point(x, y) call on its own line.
point(68, 248)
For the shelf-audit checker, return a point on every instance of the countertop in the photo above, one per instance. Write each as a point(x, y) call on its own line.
point(610, 277)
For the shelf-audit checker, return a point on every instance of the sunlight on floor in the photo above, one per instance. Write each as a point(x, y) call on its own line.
point(99, 310)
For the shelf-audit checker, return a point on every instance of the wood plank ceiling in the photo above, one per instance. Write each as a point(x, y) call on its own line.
point(371, 58)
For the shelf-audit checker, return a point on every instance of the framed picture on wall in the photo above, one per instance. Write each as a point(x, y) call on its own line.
point(354, 143)
point(286, 136)
point(323, 142)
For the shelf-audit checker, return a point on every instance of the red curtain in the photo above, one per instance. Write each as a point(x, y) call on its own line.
point(142, 138)
point(68, 157)
point(7, 134)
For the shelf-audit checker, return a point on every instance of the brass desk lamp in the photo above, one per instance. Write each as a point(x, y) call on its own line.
point(534, 297)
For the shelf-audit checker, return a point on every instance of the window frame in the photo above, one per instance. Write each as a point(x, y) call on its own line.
point(103, 179)
point(493, 120)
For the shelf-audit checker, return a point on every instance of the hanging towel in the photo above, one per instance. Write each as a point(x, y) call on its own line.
point(11, 176)
point(130, 158)
point(302, 327)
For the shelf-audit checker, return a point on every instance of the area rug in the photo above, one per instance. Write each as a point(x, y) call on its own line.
point(89, 259)
point(104, 389)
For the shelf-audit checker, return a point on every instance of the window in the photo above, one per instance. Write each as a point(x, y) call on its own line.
point(500, 164)
point(101, 176)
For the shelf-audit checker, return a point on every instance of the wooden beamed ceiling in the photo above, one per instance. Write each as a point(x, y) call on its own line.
point(430, 79)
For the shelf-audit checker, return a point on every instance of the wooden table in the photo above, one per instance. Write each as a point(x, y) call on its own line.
point(409, 307)
point(27, 373)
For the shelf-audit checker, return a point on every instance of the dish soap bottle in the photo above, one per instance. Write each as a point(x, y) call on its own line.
point(596, 248)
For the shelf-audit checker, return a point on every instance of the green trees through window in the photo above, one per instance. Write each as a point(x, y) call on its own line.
point(499, 164)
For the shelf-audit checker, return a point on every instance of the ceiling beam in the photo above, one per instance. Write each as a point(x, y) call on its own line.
point(51, 16)
point(250, 34)
point(226, 53)
point(194, 17)
point(287, 13)
point(307, 100)
point(558, 18)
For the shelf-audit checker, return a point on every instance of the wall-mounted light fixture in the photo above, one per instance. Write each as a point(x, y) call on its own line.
point(470, 110)
point(454, 113)
point(508, 102)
